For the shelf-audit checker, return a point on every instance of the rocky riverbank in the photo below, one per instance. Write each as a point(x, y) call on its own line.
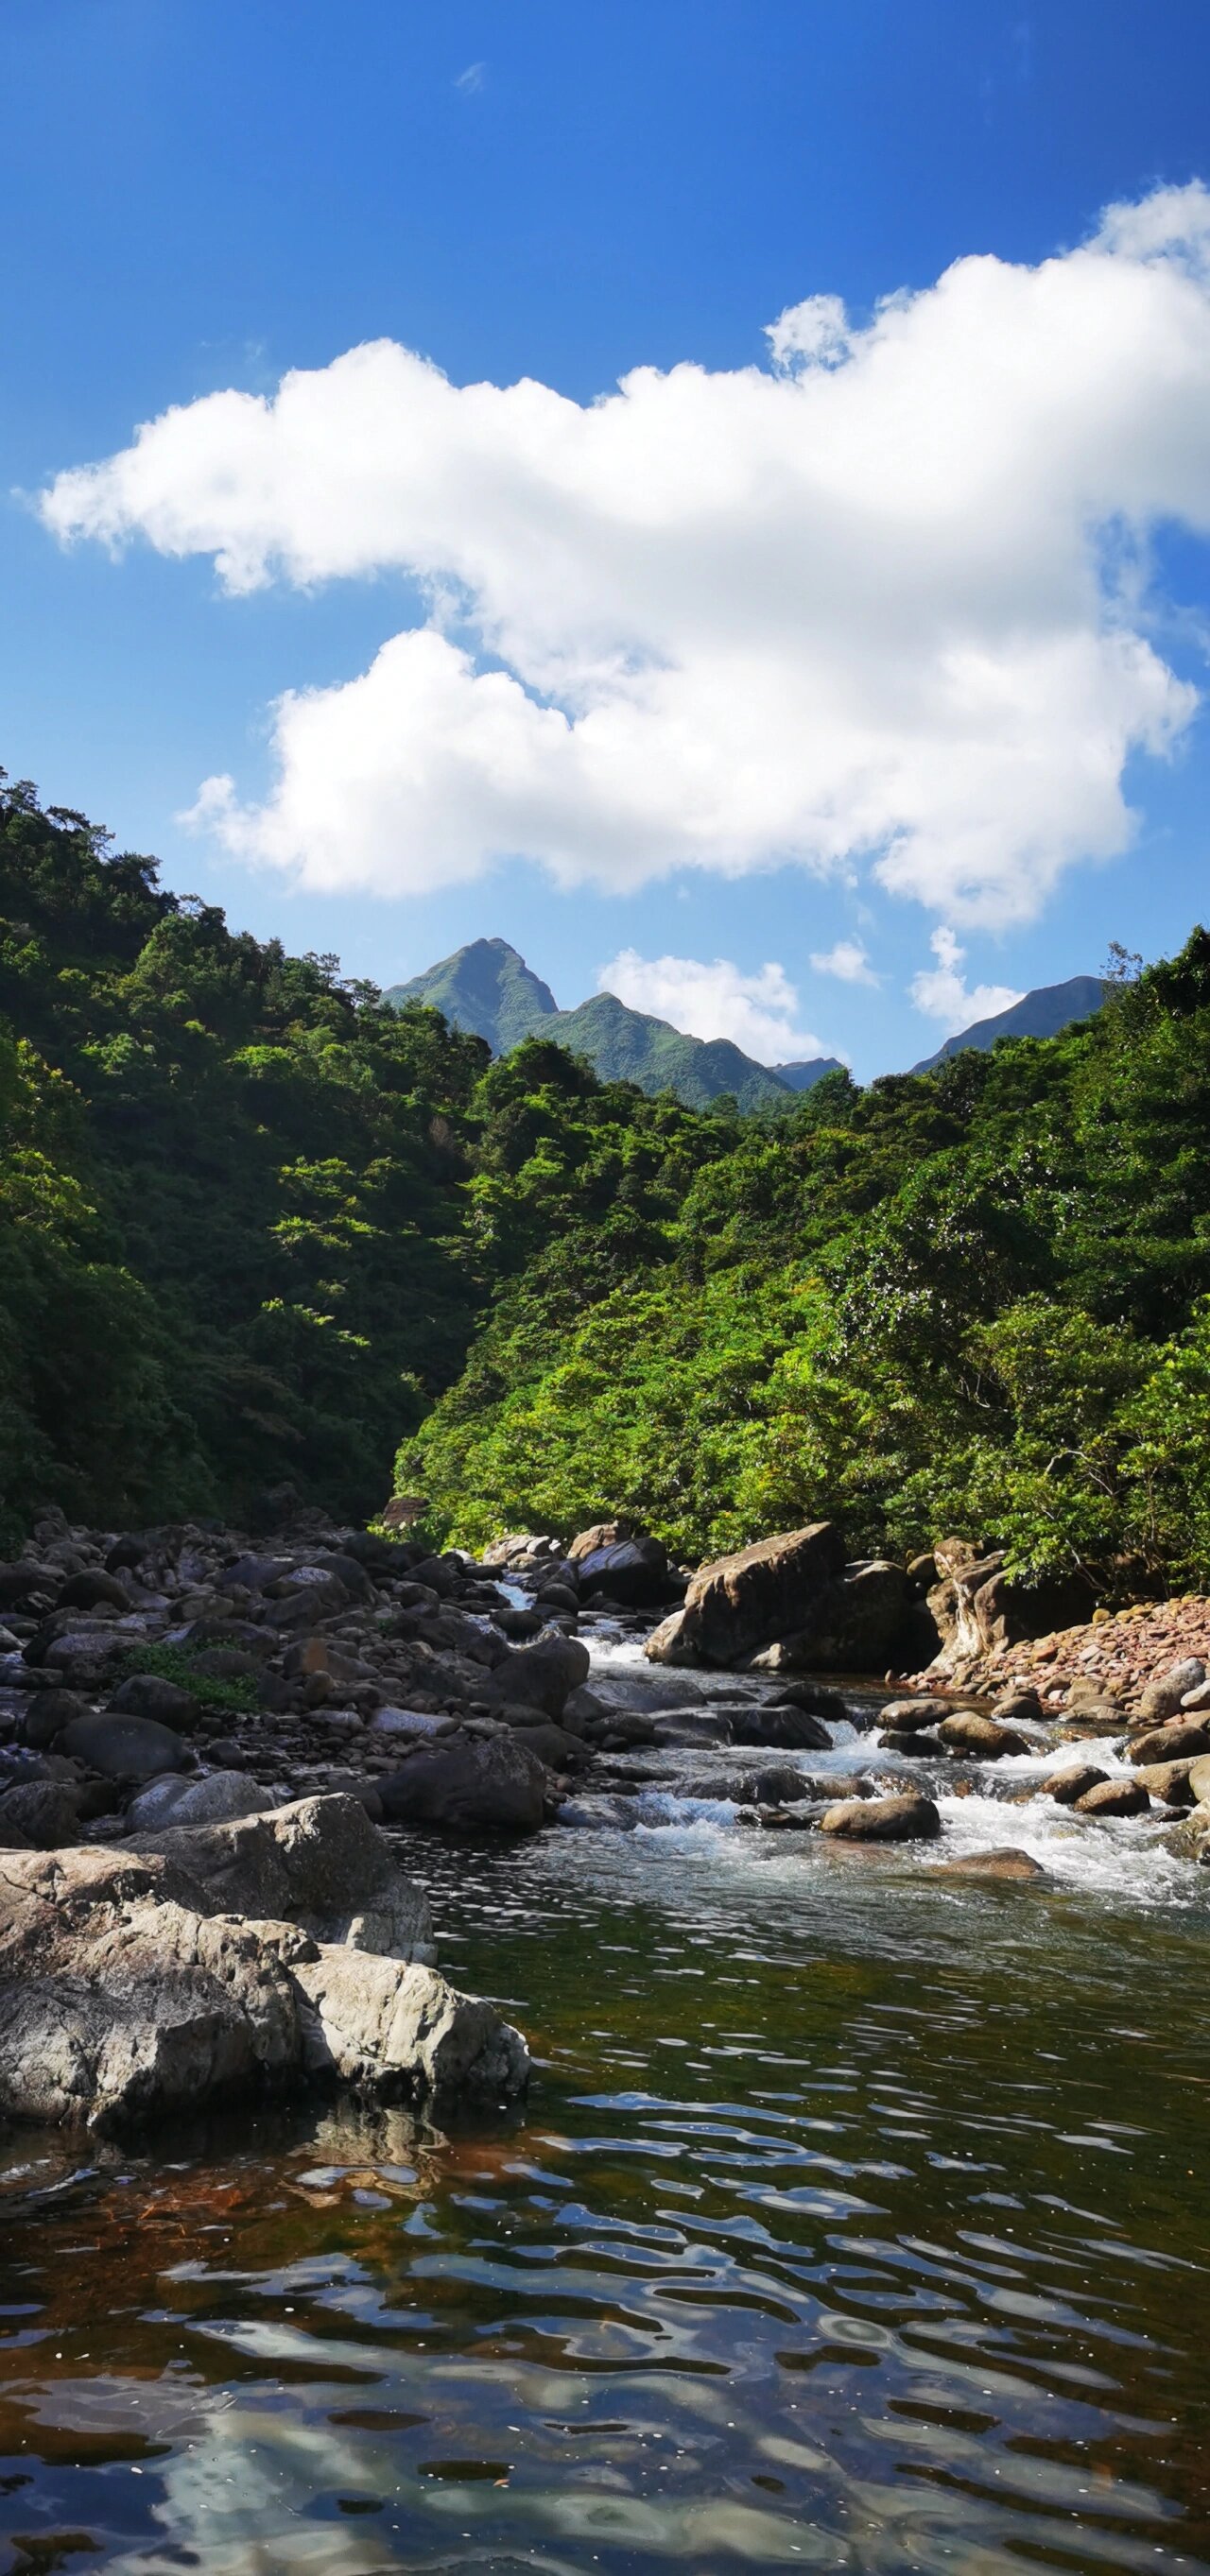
point(207, 1740)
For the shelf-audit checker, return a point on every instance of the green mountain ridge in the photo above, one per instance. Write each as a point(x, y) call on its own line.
point(488, 990)
point(1042, 1013)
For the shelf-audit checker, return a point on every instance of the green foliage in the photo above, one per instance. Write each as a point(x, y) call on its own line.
point(976, 1299)
point(176, 1664)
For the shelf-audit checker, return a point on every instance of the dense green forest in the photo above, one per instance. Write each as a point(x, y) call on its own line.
point(257, 1226)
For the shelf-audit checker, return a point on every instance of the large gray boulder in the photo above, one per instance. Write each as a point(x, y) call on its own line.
point(744, 1602)
point(216, 1799)
point(318, 1863)
point(124, 1997)
point(469, 1784)
point(124, 1748)
point(542, 1676)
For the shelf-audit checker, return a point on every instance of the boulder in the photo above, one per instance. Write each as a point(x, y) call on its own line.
point(542, 1676)
point(1169, 1782)
point(909, 1716)
point(28, 1585)
point(1183, 1739)
point(1162, 1698)
point(1009, 1862)
point(123, 1997)
point(588, 1542)
point(217, 1799)
point(967, 1732)
point(150, 1695)
point(633, 1571)
point(553, 1746)
point(125, 1748)
point(318, 1863)
point(883, 1820)
point(857, 1625)
point(978, 1606)
point(917, 1746)
point(47, 1712)
point(39, 1815)
point(1019, 1708)
point(782, 1727)
point(469, 1784)
point(748, 1601)
point(1068, 1787)
point(1199, 1778)
point(1114, 1798)
point(94, 1590)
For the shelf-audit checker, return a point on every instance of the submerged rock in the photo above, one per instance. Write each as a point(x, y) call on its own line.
point(1009, 1862)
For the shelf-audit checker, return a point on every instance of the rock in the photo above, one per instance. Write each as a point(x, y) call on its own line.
point(39, 1815)
point(883, 1820)
point(92, 1590)
point(123, 1998)
point(79, 1657)
point(742, 1603)
point(1019, 1708)
point(917, 1746)
point(542, 1676)
point(1009, 1862)
point(318, 1863)
point(1095, 1717)
point(633, 1571)
point(553, 1746)
point(46, 1714)
point(150, 1695)
point(1114, 1798)
point(1183, 1739)
point(398, 2031)
point(1197, 1698)
point(603, 1534)
point(857, 1625)
point(907, 1716)
point(1067, 1787)
point(978, 1606)
point(1169, 1782)
point(469, 1784)
point(782, 1728)
point(1162, 1699)
point(216, 1799)
point(612, 1815)
point(967, 1732)
point(414, 1722)
point(126, 1554)
point(125, 1748)
point(28, 1585)
point(1199, 1778)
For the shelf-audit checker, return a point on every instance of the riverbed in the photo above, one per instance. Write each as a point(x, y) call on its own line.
point(856, 2220)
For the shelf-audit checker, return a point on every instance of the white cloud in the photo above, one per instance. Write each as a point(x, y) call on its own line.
point(863, 607)
point(472, 78)
point(848, 960)
point(718, 1001)
point(941, 992)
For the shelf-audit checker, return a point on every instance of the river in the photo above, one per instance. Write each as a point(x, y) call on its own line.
point(856, 2221)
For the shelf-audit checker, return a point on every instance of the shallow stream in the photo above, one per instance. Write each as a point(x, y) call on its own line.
point(857, 2220)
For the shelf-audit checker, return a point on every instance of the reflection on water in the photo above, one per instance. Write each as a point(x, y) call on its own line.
point(856, 2221)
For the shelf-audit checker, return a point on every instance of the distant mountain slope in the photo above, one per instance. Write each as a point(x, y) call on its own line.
point(488, 988)
point(804, 1075)
point(1040, 1014)
point(485, 988)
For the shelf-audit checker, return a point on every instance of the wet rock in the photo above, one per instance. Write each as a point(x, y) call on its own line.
point(1068, 1787)
point(917, 1747)
point(1169, 1782)
point(317, 1863)
point(967, 1732)
point(884, 1820)
point(1114, 1798)
point(469, 1784)
point(909, 1716)
point(1009, 1862)
point(150, 1695)
point(782, 1727)
point(599, 1814)
point(125, 1748)
point(1182, 1739)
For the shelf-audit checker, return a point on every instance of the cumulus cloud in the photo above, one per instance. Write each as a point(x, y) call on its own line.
point(941, 992)
point(863, 607)
point(717, 1001)
point(847, 960)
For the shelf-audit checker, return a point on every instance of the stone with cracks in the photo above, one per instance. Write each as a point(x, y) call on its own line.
point(745, 1602)
point(318, 1863)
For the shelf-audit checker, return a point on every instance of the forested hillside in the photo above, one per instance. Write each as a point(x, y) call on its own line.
point(257, 1226)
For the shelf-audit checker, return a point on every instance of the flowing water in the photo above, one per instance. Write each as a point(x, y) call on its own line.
point(857, 2220)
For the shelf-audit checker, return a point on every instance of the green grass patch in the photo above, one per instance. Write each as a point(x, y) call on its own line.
point(176, 1664)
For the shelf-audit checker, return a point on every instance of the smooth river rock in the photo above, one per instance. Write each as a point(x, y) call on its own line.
point(883, 1820)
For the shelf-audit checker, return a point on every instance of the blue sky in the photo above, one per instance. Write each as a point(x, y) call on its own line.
point(203, 197)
